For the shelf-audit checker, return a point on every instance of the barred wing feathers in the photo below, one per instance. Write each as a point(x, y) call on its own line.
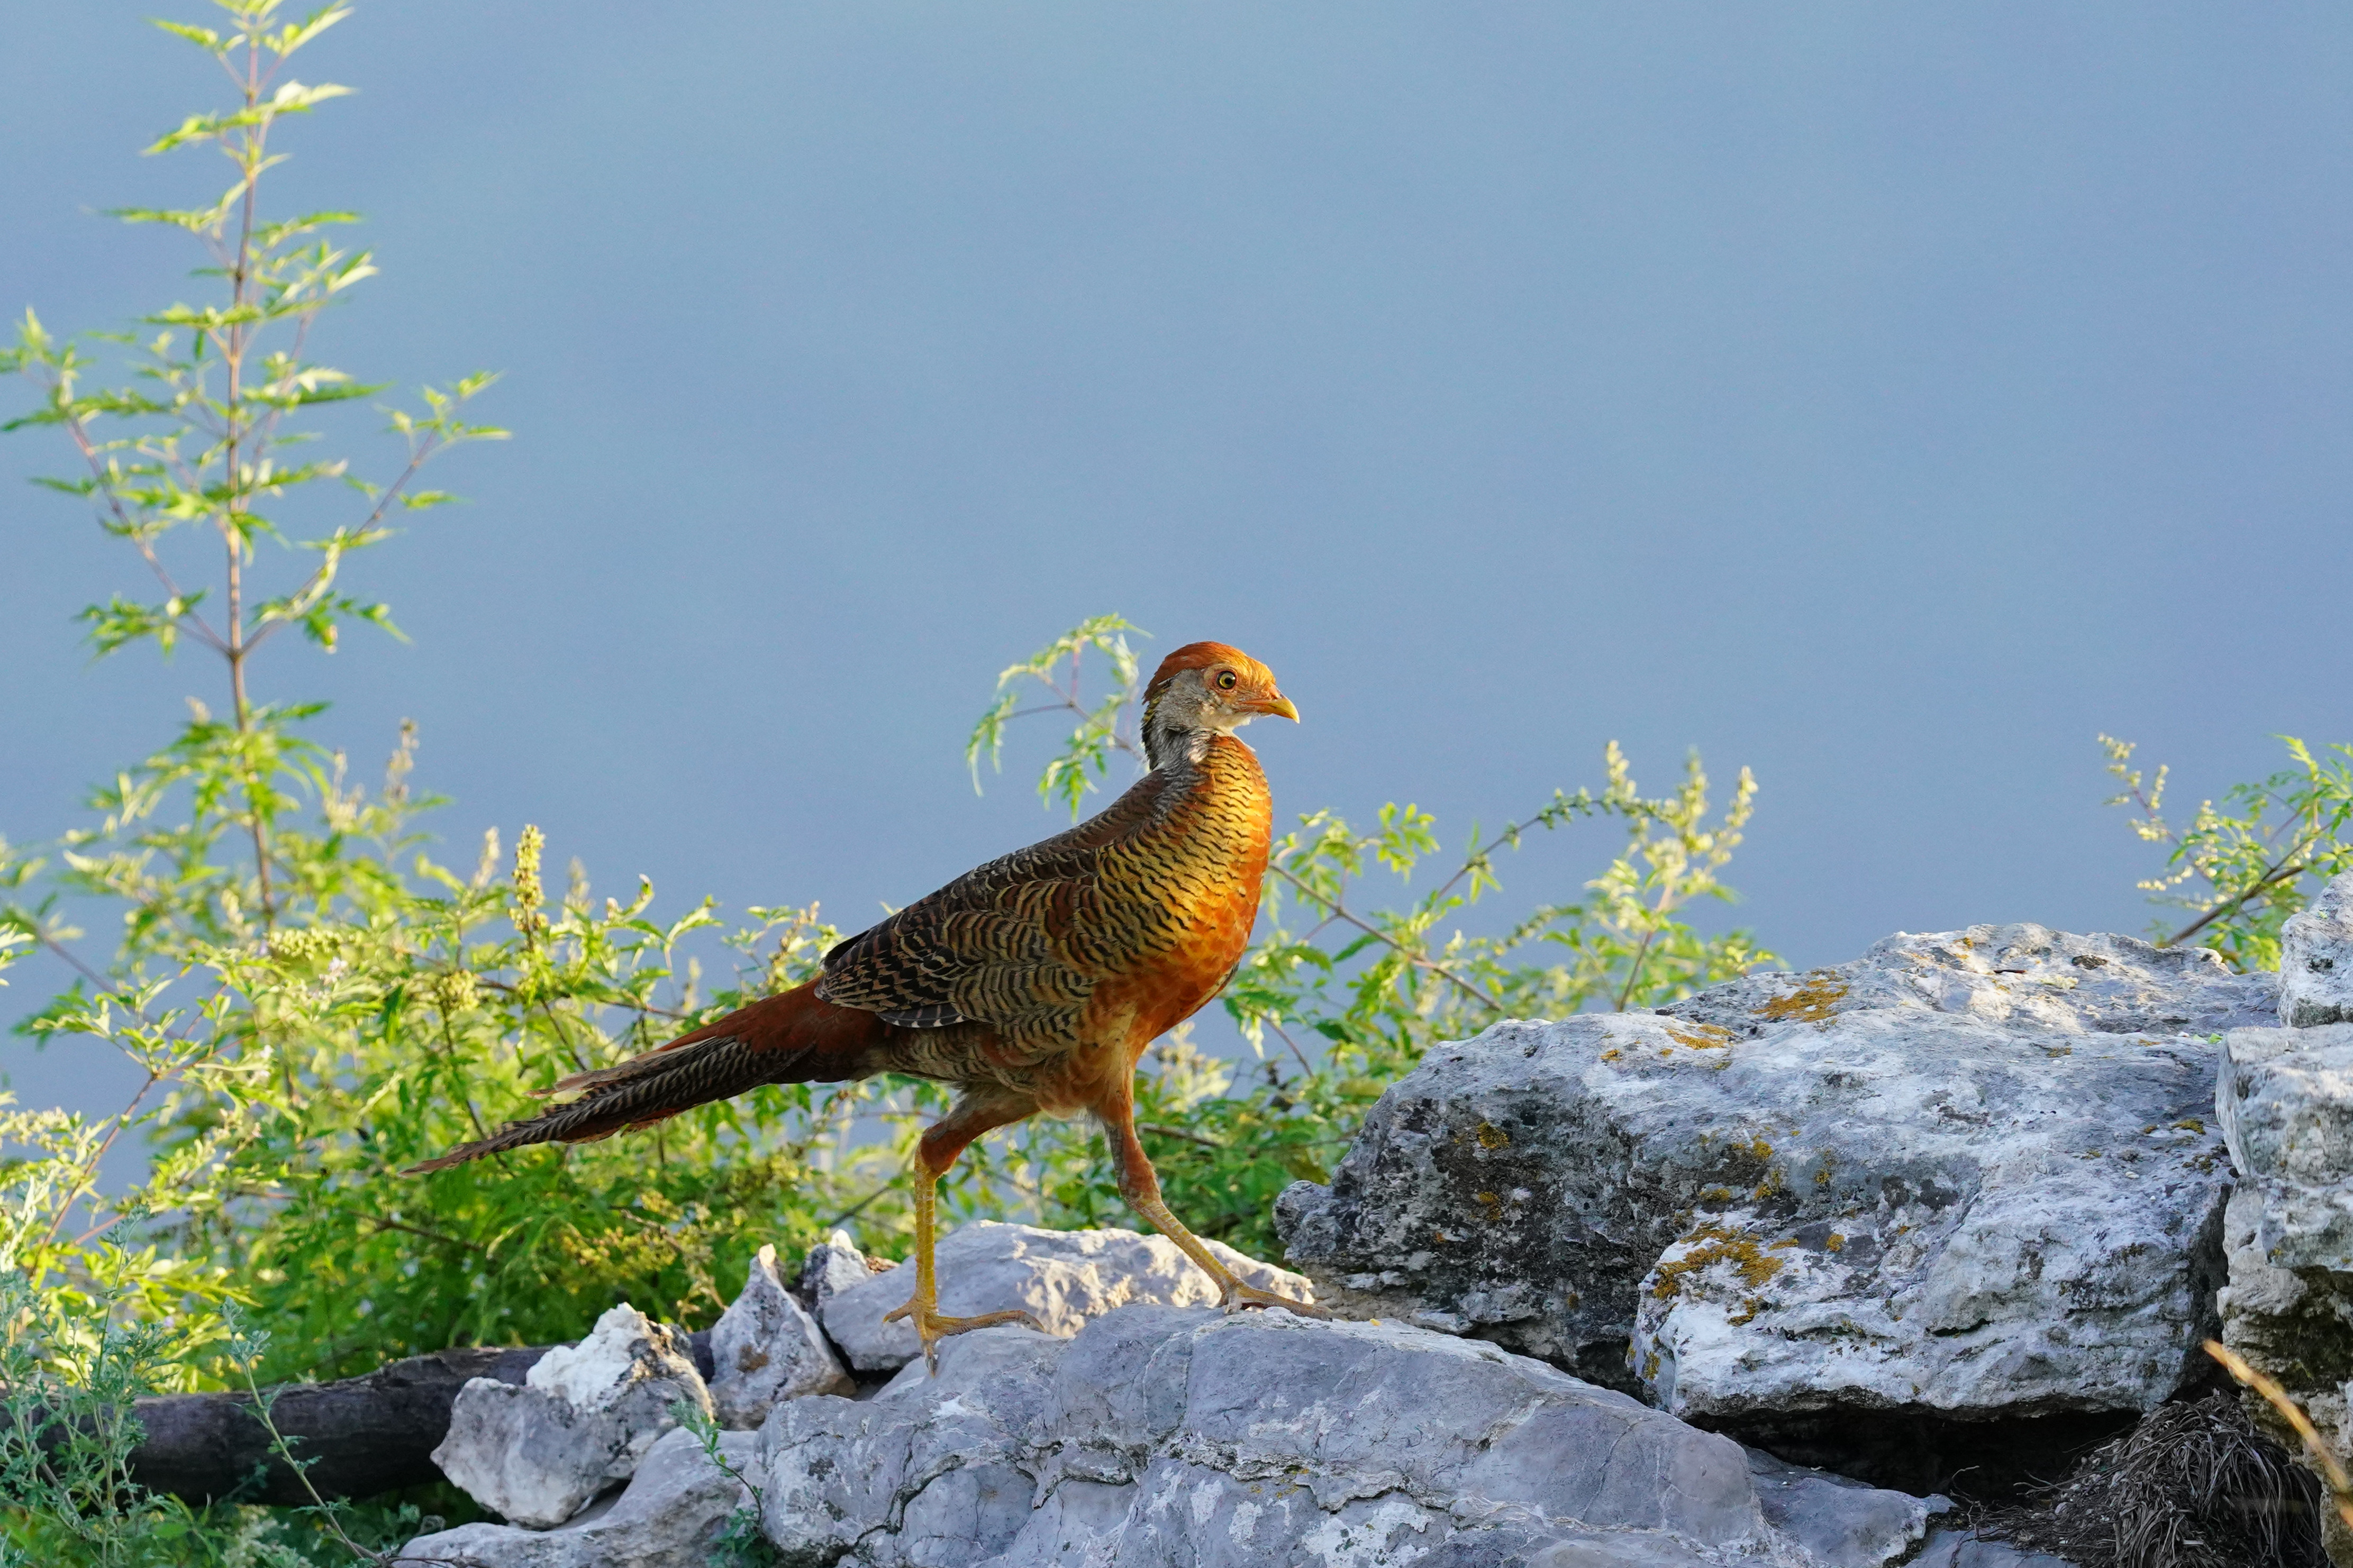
point(1020, 943)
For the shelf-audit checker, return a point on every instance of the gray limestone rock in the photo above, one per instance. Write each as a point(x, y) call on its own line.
point(1062, 1278)
point(1967, 1176)
point(1164, 1436)
point(765, 1348)
point(1959, 1549)
point(833, 1265)
point(676, 1507)
point(536, 1453)
point(2317, 960)
point(1838, 1520)
point(2285, 1098)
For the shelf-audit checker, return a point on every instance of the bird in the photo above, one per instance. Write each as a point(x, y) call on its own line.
point(1032, 984)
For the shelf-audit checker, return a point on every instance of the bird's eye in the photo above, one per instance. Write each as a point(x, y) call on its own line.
point(1227, 680)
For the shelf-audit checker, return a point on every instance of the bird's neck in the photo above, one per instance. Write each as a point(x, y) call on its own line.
point(1167, 745)
point(1209, 761)
point(1168, 742)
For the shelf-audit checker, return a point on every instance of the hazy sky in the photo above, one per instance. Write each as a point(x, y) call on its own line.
point(1889, 398)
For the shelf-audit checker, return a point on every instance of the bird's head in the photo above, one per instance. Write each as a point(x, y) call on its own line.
point(1202, 690)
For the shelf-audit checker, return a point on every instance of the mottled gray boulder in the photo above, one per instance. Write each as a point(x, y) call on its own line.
point(536, 1453)
point(1061, 1278)
point(677, 1506)
point(1161, 1436)
point(2285, 1098)
point(765, 1348)
point(1967, 1176)
point(2317, 960)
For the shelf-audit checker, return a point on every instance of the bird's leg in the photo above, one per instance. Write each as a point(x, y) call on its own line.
point(1140, 1185)
point(941, 1143)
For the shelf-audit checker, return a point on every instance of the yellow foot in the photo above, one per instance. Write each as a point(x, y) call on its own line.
point(1239, 1296)
point(931, 1328)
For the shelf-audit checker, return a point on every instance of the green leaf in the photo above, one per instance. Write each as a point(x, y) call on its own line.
point(291, 38)
point(203, 37)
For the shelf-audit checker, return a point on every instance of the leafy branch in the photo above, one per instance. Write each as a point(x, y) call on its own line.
point(2244, 867)
point(1106, 727)
point(202, 418)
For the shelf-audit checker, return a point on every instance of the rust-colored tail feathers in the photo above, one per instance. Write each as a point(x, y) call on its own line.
point(790, 1038)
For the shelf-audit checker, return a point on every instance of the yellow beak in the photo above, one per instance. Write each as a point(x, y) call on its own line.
point(1275, 705)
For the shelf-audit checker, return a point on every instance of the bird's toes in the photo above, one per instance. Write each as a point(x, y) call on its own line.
point(1241, 1297)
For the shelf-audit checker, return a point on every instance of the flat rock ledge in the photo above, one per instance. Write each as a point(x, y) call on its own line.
point(1898, 1205)
point(1165, 1436)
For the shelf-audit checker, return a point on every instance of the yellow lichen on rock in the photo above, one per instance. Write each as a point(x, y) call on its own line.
point(1712, 1244)
point(1816, 1002)
point(1701, 1037)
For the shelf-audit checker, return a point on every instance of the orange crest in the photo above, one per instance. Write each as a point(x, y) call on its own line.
point(1201, 656)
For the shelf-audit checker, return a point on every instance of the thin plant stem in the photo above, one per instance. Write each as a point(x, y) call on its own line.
point(2340, 1485)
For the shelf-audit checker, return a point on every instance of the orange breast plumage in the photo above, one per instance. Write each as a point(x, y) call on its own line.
point(1205, 861)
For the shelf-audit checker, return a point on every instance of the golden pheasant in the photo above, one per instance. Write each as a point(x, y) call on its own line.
point(1032, 983)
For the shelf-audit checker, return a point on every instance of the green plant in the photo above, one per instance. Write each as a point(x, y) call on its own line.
point(312, 1001)
point(66, 1384)
point(2243, 868)
point(199, 437)
point(67, 1429)
point(740, 1542)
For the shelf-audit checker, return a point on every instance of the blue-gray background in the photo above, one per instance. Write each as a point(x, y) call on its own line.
point(1887, 398)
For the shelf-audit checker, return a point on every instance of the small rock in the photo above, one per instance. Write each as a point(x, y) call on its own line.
point(1963, 1549)
point(1062, 1278)
point(833, 1265)
point(1844, 1523)
point(585, 1416)
point(2317, 960)
point(677, 1506)
point(765, 1348)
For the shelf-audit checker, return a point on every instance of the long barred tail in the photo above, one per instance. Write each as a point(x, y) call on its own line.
point(790, 1038)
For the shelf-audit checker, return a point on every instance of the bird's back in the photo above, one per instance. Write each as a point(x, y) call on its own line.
point(1070, 956)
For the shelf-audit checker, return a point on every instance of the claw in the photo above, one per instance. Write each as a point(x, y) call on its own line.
point(931, 1328)
point(1239, 1296)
